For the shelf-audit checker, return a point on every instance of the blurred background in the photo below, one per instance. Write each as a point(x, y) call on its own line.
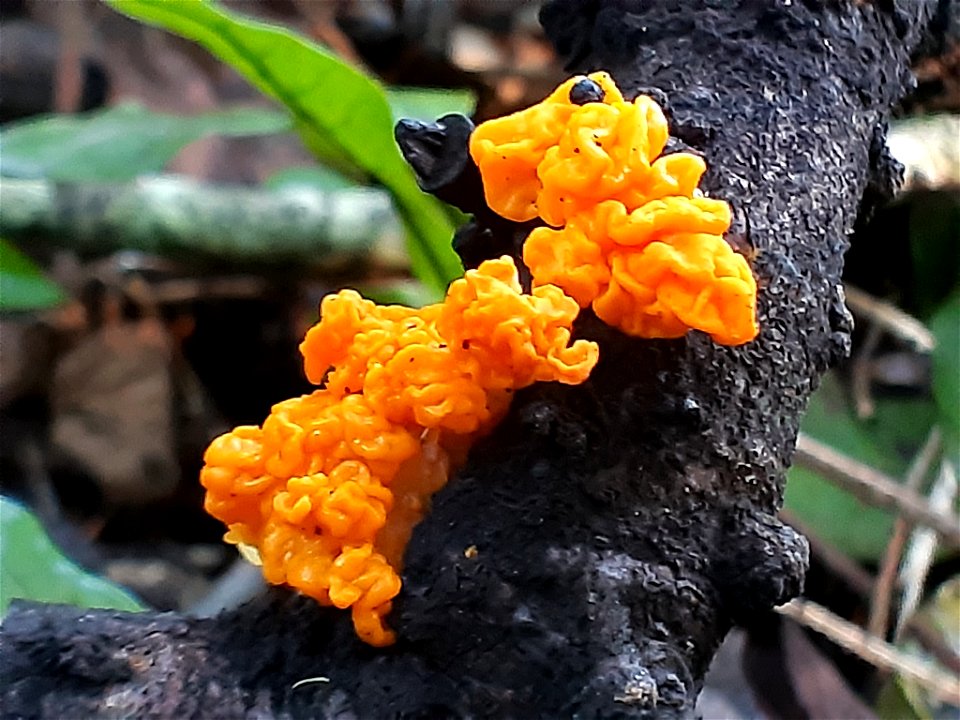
point(167, 229)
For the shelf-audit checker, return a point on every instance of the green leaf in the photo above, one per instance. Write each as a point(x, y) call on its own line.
point(945, 325)
point(887, 442)
point(935, 253)
point(900, 699)
point(32, 568)
point(428, 104)
point(22, 284)
point(343, 115)
point(837, 517)
point(119, 143)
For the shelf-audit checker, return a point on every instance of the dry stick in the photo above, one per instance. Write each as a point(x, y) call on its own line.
point(862, 374)
point(187, 289)
point(862, 582)
point(882, 654)
point(875, 488)
point(923, 545)
point(890, 318)
point(887, 577)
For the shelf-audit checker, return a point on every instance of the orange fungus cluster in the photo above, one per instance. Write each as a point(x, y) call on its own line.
point(627, 231)
point(325, 494)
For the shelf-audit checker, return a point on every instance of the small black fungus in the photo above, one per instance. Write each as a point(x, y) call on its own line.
point(586, 91)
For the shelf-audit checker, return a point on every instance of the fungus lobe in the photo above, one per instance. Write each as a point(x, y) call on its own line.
point(626, 229)
point(326, 493)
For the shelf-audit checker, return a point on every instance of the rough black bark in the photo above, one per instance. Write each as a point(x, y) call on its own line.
point(621, 526)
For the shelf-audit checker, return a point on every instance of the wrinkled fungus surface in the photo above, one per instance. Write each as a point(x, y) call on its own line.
point(326, 493)
point(627, 231)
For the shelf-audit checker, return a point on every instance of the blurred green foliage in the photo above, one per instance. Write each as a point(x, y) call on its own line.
point(119, 143)
point(945, 325)
point(428, 104)
point(32, 568)
point(904, 699)
point(890, 439)
point(887, 442)
point(23, 285)
point(343, 115)
point(934, 227)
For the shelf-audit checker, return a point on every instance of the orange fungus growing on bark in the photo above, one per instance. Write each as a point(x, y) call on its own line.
point(326, 493)
point(626, 229)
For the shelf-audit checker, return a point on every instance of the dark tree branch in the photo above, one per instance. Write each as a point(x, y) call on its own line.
point(620, 526)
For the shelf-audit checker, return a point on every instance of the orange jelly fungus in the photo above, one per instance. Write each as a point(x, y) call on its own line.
point(327, 491)
point(628, 232)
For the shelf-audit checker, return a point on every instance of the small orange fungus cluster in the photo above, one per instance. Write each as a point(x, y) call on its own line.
point(628, 232)
point(325, 494)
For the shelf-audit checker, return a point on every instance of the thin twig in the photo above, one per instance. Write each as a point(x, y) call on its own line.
point(188, 289)
point(862, 376)
point(38, 479)
point(890, 318)
point(882, 654)
point(923, 545)
point(887, 577)
point(875, 488)
point(862, 582)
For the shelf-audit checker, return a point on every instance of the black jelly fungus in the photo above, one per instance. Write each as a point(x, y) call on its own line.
point(586, 91)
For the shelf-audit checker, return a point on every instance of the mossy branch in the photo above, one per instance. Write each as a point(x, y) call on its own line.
point(181, 218)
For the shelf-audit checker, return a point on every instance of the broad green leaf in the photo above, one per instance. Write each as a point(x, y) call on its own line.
point(119, 143)
point(32, 568)
point(945, 325)
point(22, 284)
point(887, 442)
point(428, 104)
point(343, 115)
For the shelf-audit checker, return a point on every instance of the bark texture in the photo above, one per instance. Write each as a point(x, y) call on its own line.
point(621, 526)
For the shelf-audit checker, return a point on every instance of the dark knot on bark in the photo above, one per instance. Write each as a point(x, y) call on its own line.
point(759, 563)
